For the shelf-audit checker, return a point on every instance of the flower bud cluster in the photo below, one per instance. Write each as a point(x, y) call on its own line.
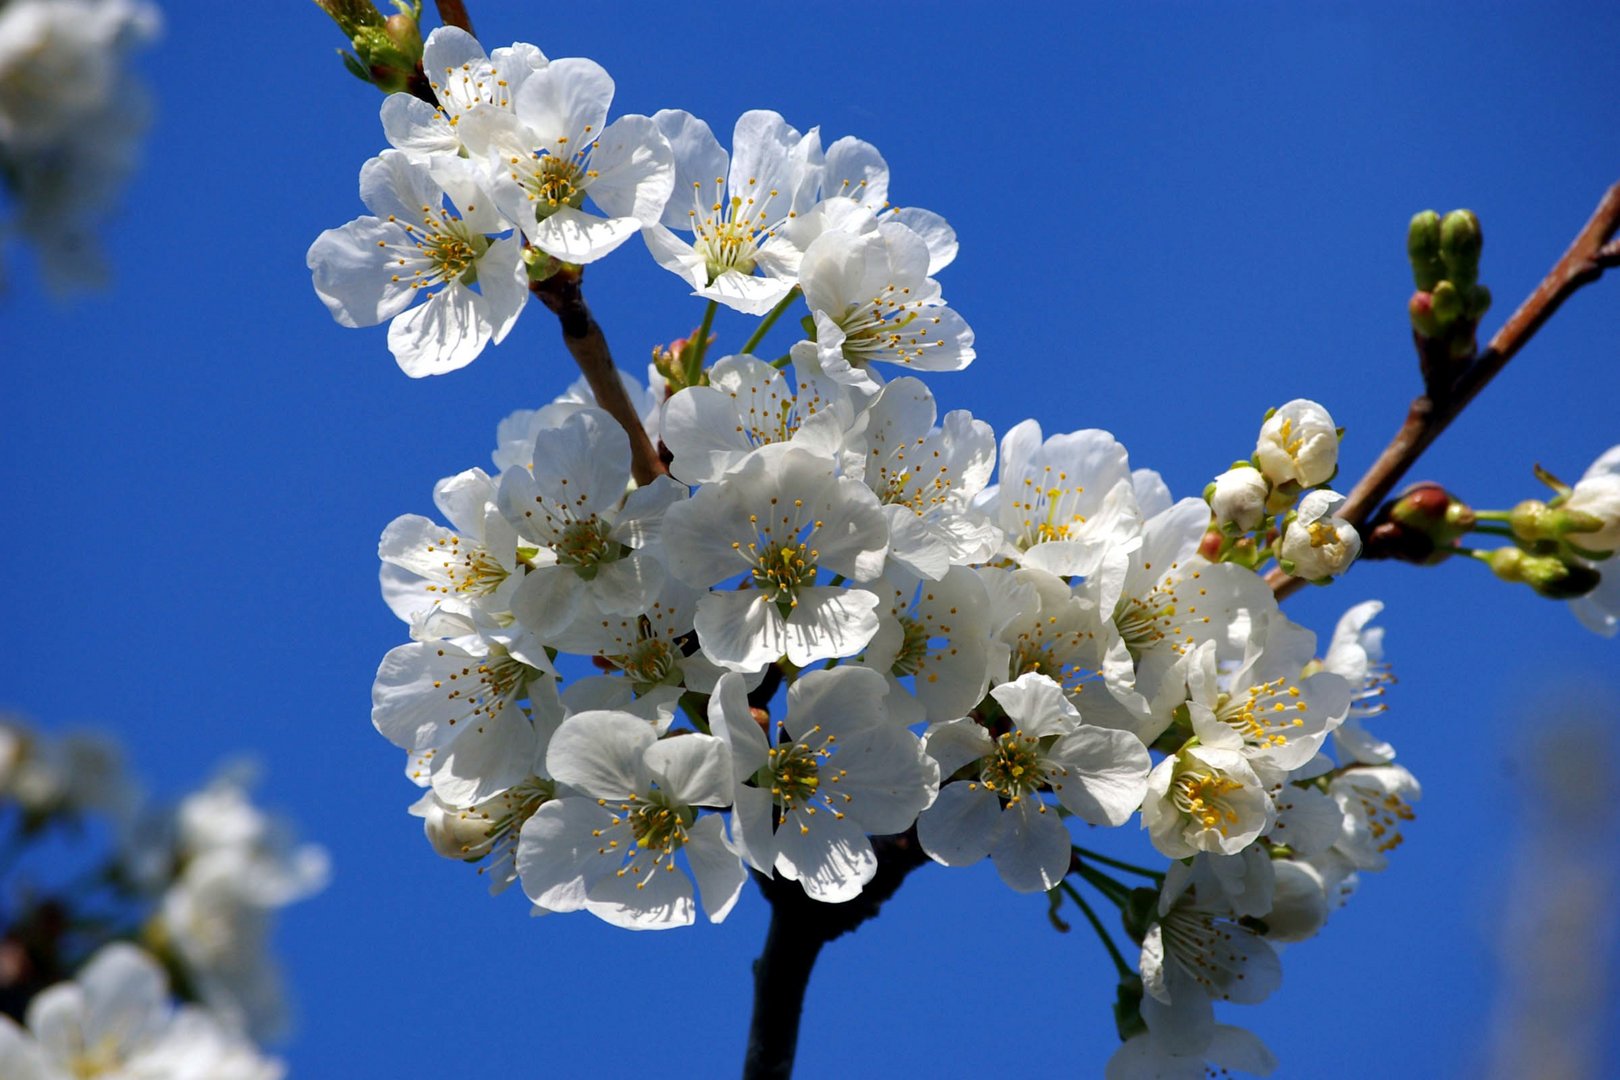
point(1254, 517)
point(840, 614)
point(1449, 302)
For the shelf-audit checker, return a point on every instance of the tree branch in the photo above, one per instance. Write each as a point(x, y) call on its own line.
point(1593, 251)
point(454, 13)
point(586, 344)
point(799, 928)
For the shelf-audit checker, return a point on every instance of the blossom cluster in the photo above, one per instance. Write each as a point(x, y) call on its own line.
point(201, 880)
point(836, 614)
point(71, 119)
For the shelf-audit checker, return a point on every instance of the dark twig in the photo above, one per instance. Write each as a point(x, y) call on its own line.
point(1429, 415)
point(561, 293)
point(454, 13)
point(799, 928)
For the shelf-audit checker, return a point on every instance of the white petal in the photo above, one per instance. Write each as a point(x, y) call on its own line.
point(963, 824)
point(446, 333)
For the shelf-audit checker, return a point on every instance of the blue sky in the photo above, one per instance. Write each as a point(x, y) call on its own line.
point(1170, 218)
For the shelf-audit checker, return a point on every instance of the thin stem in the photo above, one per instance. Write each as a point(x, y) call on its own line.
point(698, 345)
point(1124, 969)
point(782, 361)
point(588, 346)
point(1116, 891)
point(799, 928)
point(1491, 528)
point(1129, 868)
point(1592, 252)
point(769, 321)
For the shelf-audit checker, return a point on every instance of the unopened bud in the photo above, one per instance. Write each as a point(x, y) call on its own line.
point(454, 832)
point(1387, 539)
point(1298, 442)
point(1590, 518)
point(1238, 498)
point(1210, 546)
point(1479, 302)
point(1447, 304)
point(1550, 575)
point(1460, 245)
point(1423, 249)
point(1316, 545)
point(1299, 906)
point(405, 32)
point(1433, 510)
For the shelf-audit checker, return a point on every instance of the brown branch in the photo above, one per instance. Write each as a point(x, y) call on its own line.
point(561, 293)
point(454, 13)
point(799, 928)
point(1591, 253)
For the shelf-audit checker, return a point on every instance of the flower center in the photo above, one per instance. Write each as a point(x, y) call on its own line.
point(728, 233)
point(649, 661)
point(658, 828)
point(451, 250)
point(913, 647)
point(1014, 769)
point(795, 774)
point(781, 570)
point(555, 181)
point(1142, 623)
point(1263, 713)
point(1048, 510)
point(485, 688)
point(891, 324)
point(585, 546)
point(1202, 795)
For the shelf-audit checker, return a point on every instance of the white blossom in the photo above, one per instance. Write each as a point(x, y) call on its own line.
point(873, 302)
point(372, 269)
point(609, 845)
point(115, 1020)
point(1317, 545)
point(736, 207)
point(1299, 444)
point(778, 518)
point(1064, 502)
point(838, 768)
point(1098, 775)
point(540, 161)
point(1238, 498)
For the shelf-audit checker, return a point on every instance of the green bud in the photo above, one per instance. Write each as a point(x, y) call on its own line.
point(1528, 520)
point(1423, 250)
point(387, 51)
point(1550, 575)
point(351, 15)
point(1447, 305)
point(1479, 302)
point(1460, 244)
